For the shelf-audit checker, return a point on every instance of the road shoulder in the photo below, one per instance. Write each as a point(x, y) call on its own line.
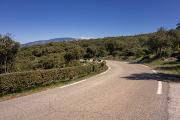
point(174, 101)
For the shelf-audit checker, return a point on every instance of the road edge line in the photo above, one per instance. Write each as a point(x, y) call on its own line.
point(154, 71)
point(159, 89)
point(85, 79)
point(145, 66)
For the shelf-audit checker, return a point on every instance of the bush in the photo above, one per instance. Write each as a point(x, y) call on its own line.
point(14, 82)
point(178, 57)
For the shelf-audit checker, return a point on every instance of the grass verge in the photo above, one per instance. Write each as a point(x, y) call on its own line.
point(169, 67)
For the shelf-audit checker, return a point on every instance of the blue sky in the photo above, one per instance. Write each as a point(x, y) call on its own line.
point(31, 20)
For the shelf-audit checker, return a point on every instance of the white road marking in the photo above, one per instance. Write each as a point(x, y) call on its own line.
point(105, 71)
point(73, 83)
point(154, 71)
point(126, 62)
point(159, 89)
point(145, 66)
point(84, 79)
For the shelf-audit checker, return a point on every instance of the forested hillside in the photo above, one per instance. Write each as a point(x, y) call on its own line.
point(145, 48)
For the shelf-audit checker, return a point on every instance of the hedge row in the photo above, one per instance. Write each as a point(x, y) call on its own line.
point(13, 82)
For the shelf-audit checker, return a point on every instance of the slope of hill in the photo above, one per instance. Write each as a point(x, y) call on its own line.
point(39, 42)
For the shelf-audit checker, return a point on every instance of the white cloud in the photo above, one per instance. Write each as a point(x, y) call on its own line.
point(86, 38)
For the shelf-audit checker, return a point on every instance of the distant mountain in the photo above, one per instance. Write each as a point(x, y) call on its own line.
point(40, 42)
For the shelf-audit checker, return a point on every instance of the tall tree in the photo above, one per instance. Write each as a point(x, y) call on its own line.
point(159, 42)
point(175, 38)
point(91, 51)
point(8, 51)
point(178, 26)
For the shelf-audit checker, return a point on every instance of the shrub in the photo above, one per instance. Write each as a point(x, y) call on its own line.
point(18, 81)
point(178, 57)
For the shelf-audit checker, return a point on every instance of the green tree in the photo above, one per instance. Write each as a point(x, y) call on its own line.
point(78, 52)
point(101, 52)
point(178, 26)
point(159, 42)
point(68, 57)
point(91, 52)
point(175, 38)
point(8, 52)
point(113, 46)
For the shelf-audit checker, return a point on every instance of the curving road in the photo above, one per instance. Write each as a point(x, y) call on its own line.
point(124, 92)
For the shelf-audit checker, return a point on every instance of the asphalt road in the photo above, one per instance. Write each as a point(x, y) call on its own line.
point(124, 92)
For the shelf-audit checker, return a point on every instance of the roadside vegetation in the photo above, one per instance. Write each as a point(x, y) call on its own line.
point(19, 81)
point(22, 66)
